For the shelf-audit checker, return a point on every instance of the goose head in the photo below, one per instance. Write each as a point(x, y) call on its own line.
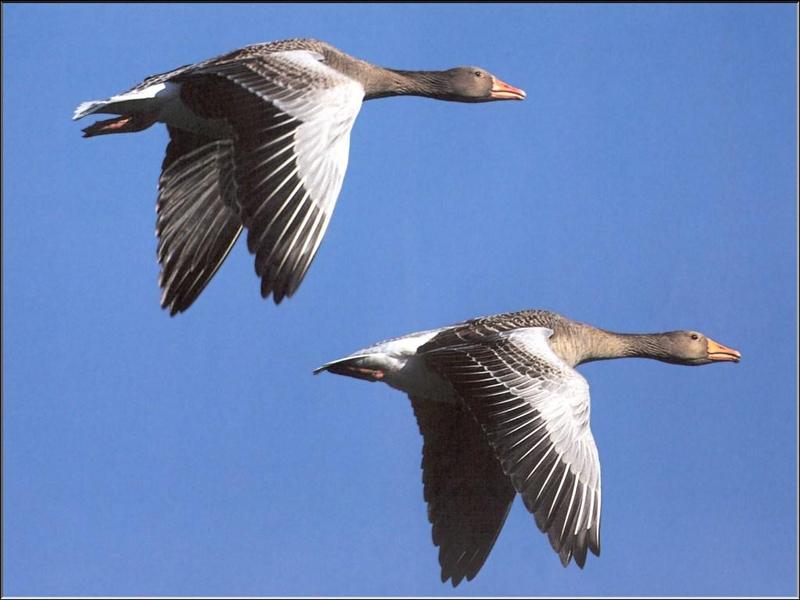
point(694, 348)
point(473, 84)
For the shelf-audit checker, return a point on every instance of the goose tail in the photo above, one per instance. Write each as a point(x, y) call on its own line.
point(87, 108)
point(124, 124)
point(363, 366)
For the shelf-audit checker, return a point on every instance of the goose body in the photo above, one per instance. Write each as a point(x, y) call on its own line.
point(503, 411)
point(259, 139)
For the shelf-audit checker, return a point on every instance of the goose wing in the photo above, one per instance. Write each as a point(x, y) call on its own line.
point(290, 116)
point(196, 225)
point(467, 493)
point(534, 410)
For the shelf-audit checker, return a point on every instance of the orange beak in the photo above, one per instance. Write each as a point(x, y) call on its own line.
point(503, 91)
point(718, 352)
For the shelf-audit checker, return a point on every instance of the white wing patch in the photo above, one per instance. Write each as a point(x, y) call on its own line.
point(565, 407)
point(327, 113)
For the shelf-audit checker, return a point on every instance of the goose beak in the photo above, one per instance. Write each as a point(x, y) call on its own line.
point(503, 91)
point(718, 352)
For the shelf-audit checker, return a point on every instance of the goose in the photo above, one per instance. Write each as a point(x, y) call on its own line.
point(259, 138)
point(502, 411)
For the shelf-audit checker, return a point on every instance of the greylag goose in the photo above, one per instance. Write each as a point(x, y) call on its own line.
point(502, 411)
point(259, 138)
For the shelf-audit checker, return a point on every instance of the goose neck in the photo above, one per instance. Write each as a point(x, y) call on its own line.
point(604, 345)
point(394, 82)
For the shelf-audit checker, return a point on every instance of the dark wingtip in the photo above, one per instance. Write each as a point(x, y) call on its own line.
point(267, 289)
point(282, 293)
point(565, 557)
point(594, 541)
point(174, 306)
point(171, 309)
point(580, 547)
point(580, 560)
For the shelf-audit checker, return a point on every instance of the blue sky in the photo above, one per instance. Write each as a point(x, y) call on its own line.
point(648, 183)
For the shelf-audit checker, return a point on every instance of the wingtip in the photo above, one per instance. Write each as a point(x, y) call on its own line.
point(565, 557)
point(171, 309)
point(454, 578)
point(594, 541)
point(172, 305)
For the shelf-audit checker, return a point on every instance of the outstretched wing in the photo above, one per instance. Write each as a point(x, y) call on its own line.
point(196, 225)
point(534, 410)
point(468, 494)
point(291, 117)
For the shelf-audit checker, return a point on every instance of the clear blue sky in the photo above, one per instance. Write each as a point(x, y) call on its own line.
point(647, 184)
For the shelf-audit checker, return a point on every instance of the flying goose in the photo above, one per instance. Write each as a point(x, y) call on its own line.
point(502, 411)
point(259, 138)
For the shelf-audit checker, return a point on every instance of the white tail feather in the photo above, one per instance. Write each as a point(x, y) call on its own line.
point(87, 108)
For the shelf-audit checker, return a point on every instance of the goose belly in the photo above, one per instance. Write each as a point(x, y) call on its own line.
point(406, 371)
point(413, 376)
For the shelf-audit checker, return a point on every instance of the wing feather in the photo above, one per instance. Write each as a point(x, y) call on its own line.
point(468, 494)
point(534, 411)
point(291, 117)
point(196, 225)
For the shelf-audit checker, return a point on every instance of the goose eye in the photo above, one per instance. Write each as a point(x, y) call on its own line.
point(695, 336)
point(478, 74)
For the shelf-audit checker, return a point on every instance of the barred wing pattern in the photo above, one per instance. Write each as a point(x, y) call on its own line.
point(534, 410)
point(467, 493)
point(196, 224)
point(291, 116)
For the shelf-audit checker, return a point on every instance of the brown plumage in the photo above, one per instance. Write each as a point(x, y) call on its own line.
point(259, 139)
point(502, 411)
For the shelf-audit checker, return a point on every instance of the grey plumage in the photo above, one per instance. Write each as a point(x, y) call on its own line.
point(268, 128)
point(502, 411)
